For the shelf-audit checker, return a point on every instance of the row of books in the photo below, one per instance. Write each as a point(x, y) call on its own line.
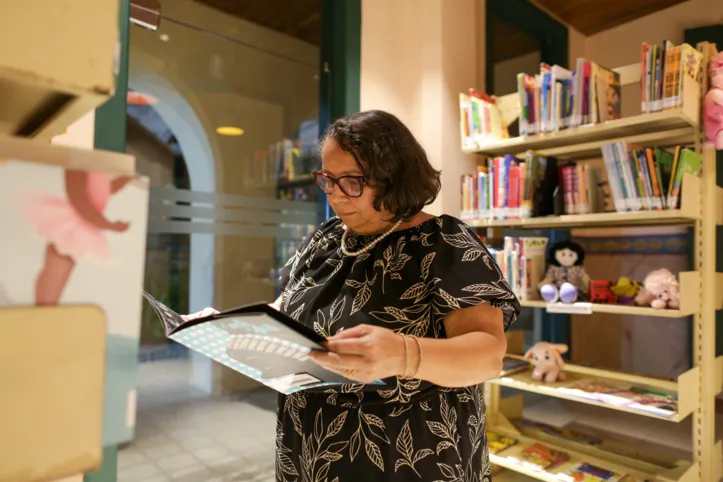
point(664, 69)
point(558, 98)
point(511, 188)
point(647, 179)
point(540, 457)
point(480, 120)
point(281, 161)
point(522, 261)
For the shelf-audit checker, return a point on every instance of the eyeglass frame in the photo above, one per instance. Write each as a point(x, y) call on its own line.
point(335, 182)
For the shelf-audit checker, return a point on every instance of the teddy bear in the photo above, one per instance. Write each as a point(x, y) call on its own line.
point(660, 290)
point(713, 103)
point(547, 361)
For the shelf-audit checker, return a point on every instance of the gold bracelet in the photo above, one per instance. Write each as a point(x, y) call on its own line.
point(419, 361)
point(406, 355)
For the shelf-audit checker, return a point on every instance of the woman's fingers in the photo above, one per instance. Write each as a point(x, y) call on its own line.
point(336, 361)
point(200, 314)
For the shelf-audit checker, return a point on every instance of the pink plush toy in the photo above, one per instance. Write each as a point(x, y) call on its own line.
point(660, 290)
point(713, 105)
point(547, 360)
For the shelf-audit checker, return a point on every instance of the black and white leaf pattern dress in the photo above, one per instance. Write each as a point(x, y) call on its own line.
point(410, 430)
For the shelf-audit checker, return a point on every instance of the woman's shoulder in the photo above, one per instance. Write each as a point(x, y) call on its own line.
point(448, 232)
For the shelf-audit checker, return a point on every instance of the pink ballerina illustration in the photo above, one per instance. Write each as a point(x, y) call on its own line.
point(74, 227)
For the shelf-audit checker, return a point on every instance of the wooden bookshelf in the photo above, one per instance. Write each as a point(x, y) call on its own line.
point(701, 207)
point(685, 387)
point(688, 214)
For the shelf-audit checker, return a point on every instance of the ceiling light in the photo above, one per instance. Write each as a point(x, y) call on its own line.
point(229, 131)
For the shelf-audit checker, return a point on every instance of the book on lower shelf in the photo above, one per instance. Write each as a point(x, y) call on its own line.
point(647, 178)
point(627, 396)
point(541, 458)
point(257, 341)
point(522, 261)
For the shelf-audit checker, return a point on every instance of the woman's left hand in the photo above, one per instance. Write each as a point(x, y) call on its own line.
point(364, 354)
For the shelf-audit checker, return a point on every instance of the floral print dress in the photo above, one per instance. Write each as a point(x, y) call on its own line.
point(409, 430)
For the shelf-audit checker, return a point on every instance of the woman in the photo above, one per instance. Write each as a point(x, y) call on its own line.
point(403, 296)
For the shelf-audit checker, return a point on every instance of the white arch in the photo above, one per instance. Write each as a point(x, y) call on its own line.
point(175, 108)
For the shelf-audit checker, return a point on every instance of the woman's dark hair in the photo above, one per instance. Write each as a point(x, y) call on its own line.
point(397, 165)
point(560, 245)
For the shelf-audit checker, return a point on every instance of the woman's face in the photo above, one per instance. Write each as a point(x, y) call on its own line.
point(357, 213)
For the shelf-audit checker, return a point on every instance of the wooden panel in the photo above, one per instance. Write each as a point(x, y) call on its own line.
point(300, 19)
point(593, 16)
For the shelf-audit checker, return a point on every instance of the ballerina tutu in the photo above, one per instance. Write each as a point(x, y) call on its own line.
point(55, 219)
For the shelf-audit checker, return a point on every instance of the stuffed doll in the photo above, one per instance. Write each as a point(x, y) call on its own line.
point(713, 104)
point(660, 290)
point(565, 279)
point(547, 361)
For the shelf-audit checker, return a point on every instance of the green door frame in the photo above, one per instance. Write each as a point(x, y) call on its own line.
point(554, 50)
point(340, 67)
point(110, 135)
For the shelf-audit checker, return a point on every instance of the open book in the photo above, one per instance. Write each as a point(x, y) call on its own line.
point(256, 340)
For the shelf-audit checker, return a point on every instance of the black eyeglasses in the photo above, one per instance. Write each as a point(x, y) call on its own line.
point(352, 186)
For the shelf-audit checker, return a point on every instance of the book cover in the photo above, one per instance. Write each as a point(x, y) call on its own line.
point(78, 220)
point(497, 442)
point(257, 341)
point(542, 457)
point(513, 365)
point(586, 472)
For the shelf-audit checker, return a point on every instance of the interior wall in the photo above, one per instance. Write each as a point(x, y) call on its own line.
point(414, 77)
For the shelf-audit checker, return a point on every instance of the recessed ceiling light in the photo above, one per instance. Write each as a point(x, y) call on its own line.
point(229, 131)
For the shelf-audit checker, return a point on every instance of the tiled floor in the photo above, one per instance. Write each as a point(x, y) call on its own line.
point(182, 435)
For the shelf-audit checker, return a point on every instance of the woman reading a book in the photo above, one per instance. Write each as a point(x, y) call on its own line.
point(401, 295)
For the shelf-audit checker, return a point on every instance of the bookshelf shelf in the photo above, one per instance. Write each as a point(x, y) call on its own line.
point(685, 387)
point(688, 214)
point(656, 126)
point(689, 304)
point(509, 459)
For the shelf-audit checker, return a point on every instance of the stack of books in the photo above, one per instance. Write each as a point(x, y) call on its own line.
point(558, 98)
point(647, 179)
point(480, 120)
point(664, 69)
point(522, 261)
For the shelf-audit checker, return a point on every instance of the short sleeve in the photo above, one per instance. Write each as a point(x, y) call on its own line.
point(286, 271)
point(468, 275)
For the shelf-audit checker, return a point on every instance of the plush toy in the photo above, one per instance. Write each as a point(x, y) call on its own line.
point(547, 360)
point(660, 290)
point(625, 290)
point(713, 104)
point(600, 291)
point(565, 279)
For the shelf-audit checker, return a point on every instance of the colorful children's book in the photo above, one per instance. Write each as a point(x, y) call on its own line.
point(513, 365)
point(542, 457)
point(498, 442)
point(586, 472)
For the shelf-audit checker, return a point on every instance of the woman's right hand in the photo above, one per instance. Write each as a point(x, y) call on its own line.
point(200, 314)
